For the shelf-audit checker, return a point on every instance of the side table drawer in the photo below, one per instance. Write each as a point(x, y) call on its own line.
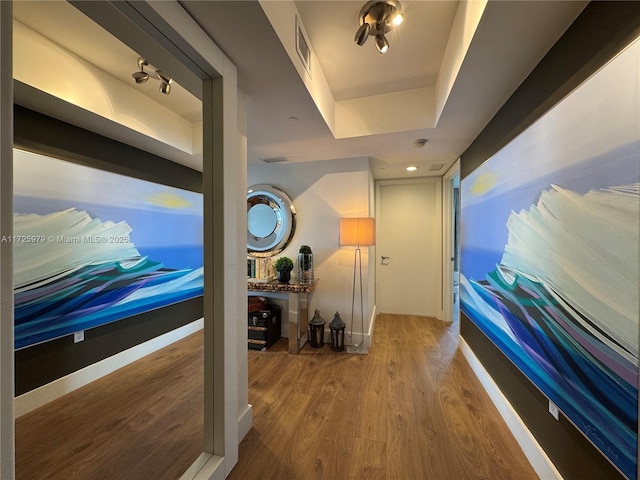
point(258, 333)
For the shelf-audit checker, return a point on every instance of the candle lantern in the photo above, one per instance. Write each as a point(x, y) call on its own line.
point(336, 328)
point(316, 330)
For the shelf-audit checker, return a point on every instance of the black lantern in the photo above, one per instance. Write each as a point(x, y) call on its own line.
point(316, 330)
point(336, 327)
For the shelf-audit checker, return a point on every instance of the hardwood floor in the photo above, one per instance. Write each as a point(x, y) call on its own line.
point(410, 409)
point(142, 422)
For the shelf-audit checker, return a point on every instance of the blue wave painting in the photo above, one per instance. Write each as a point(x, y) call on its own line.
point(92, 247)
point(550, 256)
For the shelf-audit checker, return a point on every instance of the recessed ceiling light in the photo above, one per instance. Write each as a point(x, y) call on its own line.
point(293, 119)
point(412, 168)
point(419, 142)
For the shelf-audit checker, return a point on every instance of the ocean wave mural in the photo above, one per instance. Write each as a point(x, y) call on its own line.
point(92, 247)
point(550, 255)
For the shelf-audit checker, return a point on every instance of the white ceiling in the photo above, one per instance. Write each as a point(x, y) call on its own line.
point(413, 60)
point(513, 37)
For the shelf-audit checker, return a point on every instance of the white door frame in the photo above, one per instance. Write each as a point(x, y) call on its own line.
point(448, 241)
point(190, 48)
point(7, 457)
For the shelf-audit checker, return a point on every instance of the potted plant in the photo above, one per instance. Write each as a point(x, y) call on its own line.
point(283, 267)
point(305, 264)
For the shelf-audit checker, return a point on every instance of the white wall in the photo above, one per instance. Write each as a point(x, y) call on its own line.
point(323, 192)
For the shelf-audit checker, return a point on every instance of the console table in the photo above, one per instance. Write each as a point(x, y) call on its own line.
point(297, 296)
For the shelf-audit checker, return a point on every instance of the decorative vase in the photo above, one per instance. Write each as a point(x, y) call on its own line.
point(305, 268)
point(283, 276)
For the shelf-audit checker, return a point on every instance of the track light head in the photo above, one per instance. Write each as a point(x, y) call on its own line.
point(382, 44)
point(141, 76)
point(376, 19)
point(165, 87)
point(362, 34)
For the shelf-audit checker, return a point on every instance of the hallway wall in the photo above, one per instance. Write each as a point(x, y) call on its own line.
point(598, 34)
point(323, 192)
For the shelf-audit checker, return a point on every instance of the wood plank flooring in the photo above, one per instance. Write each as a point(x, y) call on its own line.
point(142, 422)
point(410, 409)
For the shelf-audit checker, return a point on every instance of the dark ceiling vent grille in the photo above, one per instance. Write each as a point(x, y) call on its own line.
point(302, 46)
point(274, 160)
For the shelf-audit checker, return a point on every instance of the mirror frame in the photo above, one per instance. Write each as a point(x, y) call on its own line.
point(285, 214)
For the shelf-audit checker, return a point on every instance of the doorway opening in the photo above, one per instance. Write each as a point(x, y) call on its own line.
point(451, 244)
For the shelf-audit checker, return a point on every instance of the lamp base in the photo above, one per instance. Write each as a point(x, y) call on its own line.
point(360, 349)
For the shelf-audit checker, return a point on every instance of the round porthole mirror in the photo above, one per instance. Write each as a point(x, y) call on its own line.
point(271, 220)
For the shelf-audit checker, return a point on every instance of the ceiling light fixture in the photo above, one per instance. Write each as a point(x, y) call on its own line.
point(419, 142)
point(142, 76)
point(376, 19)
point(412, 168)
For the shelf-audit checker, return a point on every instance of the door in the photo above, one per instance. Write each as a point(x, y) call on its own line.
point(408, 267)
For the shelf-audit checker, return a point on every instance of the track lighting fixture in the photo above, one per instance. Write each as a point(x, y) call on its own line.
point(142, 76)
point(376, 19)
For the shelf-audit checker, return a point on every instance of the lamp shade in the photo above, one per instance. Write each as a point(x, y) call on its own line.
point(357, 231)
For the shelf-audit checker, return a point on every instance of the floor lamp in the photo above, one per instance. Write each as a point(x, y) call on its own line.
point(361, 233)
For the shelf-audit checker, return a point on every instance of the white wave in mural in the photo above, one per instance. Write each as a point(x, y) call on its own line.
point(48, 245)
point(475, 301)
point(74, 271)
point(584, 246)
point(190, 279)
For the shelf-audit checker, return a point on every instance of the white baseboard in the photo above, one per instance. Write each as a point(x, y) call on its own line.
point(372, 324)
point(362, 348)
point(537, 457)
point(29, 401)
point(206, 467)
point(245, 422)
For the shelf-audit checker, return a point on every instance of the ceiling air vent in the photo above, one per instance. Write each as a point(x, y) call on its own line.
point(302, 46)
point(435, 167)
point(274, 160)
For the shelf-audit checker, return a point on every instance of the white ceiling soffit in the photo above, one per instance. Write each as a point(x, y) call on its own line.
point(68, 67)
point(482, 40)
point(491, 60)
